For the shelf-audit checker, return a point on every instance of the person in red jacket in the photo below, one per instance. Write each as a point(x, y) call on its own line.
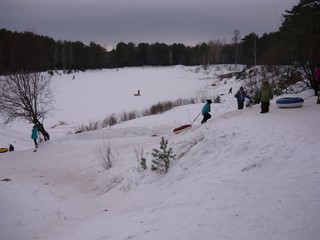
point(316, 80)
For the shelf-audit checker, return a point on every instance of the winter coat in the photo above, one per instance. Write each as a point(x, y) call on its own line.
point(206, 109)
point(317, 74)
point(265, 93)
point(34, 134)
point(241, 95)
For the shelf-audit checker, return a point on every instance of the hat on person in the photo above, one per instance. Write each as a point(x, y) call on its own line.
point(265, 80)
point(209, 101)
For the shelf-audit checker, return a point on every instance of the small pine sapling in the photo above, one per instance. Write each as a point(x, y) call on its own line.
point(161, 158)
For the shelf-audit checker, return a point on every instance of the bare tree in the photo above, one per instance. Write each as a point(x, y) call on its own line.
point(235, 40)
point(26, 96)
point(255, 49)
point(215, 50)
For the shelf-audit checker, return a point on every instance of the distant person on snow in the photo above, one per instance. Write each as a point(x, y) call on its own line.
point(205, 111)
point(137, 94)
point(316, 80)
point(34, 135)
point(265, 94)
point(241, 95)
point(11, 148)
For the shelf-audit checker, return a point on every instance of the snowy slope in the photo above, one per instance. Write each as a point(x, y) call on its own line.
point(242, 175)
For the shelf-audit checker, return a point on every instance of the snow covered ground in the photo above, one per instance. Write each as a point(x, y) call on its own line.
point(242, 175)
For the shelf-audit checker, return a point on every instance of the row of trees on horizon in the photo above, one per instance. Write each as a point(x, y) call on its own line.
point(296, 41)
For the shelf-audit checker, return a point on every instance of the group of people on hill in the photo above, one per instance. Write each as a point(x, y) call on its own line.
point(265, 94)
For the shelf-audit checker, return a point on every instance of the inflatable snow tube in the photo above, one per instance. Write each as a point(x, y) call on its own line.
point(290, 102)
point(2, 150)
point(182, 128)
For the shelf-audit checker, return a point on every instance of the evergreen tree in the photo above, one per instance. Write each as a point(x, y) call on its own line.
point(300, 33)
point(161, 158)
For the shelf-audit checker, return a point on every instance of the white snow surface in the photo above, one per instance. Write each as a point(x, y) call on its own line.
point(240, 176)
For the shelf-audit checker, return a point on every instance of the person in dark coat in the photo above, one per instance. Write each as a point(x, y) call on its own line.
point(11, 148)
point(205, 111)
point(265, 94)
point(34, 135)
point(241, 95)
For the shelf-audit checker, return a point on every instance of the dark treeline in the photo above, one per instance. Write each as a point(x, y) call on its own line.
point(26, 50)
point(296, 41)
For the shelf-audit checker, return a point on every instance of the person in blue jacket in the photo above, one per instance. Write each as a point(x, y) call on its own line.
point(205, 111)
point(241, 95)
point(34, 135)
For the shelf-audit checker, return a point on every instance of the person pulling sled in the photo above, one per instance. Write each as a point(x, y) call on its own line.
point(205, 111)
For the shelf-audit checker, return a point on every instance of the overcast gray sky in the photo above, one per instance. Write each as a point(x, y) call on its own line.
point(108, 22)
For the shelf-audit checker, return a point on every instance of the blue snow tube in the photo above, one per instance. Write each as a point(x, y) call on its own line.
point(290, 102)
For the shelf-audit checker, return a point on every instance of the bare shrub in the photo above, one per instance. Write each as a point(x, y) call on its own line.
point(161, 107)
point(92, 126)
point(60, 123)
point(142, 162)
point(217, 99)
point(133, 115)
point(109, 121)
point(167, 105)
point(192, 101)
point(126, 116)
point(146, 112)
point(106, 156)
point(181, 102)
point(79, 129)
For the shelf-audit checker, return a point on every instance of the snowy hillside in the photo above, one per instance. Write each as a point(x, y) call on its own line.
point(242, 175)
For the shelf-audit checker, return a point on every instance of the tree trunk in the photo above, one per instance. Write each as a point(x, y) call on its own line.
point(41, 129)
